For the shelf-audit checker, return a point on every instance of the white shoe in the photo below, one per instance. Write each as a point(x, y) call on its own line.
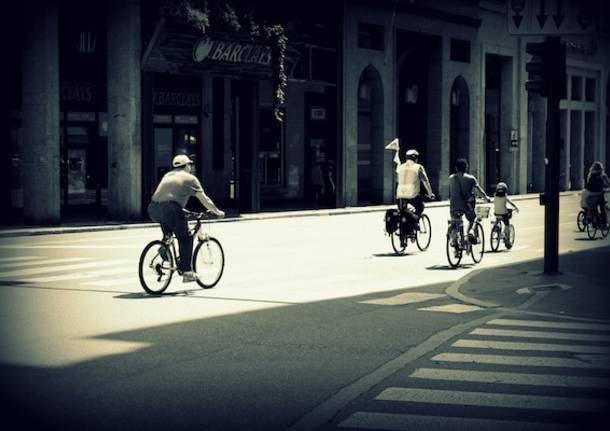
point(189, 277)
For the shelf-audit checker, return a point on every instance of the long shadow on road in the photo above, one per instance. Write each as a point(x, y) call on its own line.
point(257, 370)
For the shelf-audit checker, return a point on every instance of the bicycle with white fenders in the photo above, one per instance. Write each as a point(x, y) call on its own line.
point(160, 259)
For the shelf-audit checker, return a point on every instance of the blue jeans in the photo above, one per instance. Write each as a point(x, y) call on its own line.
point(173, 220)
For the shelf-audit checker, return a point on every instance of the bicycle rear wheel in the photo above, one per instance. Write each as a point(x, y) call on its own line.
point(591, 229)
point(478, 248)
point(581, 221)
point(494, 239)
point(396, 245)
point(509, 241)
point(424, 232)
point(208, 262)
point(156, 267)
point(453, 248)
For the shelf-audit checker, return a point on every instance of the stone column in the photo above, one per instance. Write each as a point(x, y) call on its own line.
point(40, 105)
point(124, 110)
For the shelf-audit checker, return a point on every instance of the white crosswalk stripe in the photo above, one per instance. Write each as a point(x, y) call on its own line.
point(404, 422)
point(507, 345)
point(504, 381)
point(16, 258)
point(540, 334)
point(486, 399)
point(547, 324)
point(60, 268)
point(40, 262)
point(82, 275)
point(499, 377)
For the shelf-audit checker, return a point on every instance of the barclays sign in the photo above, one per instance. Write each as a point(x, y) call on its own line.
point(231, 52)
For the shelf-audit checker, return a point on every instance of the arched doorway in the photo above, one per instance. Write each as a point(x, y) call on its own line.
point(459, 122)
point(370, 137)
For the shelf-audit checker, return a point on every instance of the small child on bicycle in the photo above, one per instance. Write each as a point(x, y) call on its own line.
point(500, 204)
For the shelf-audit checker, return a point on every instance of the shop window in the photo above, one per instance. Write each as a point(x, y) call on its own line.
point(271, 155)
point(460, 50)
point(590, 89)
point(576, 93)
point(370, 36)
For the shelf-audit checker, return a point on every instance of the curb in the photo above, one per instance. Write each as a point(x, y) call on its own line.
point(31, 231)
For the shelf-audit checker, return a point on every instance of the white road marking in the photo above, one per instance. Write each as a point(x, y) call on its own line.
point(44, 262)
point(527, 361)
point(506, 345)
point(452, 308)
point(17, 258)
point(79, 275)
point(548, 324)
point(404, 422)
point(113, 282)
point(496, 377)
point(58, 268)
point(404, 298)
point(489, 399)
point(540, 334)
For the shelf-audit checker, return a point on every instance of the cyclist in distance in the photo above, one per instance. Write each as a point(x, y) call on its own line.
point(167, 204)
point(410, 177)
point(462, 189)
point(500, 204)
point(597, 181)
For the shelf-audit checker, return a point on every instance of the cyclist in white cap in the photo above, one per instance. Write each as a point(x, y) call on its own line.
point(167, 203)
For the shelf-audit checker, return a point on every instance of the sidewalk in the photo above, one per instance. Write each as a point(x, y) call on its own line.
point(580, 290)
point(95, 226)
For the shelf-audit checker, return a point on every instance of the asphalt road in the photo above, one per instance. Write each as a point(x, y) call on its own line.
point(311, 316)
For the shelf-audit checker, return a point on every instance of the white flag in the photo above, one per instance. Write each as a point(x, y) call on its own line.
point(393, 145)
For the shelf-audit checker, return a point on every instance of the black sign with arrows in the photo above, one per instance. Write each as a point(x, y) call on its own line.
point(551, 17)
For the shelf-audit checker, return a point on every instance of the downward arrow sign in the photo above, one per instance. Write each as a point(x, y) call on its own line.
point(517, 19)
point(558, 16)
point(542, 16)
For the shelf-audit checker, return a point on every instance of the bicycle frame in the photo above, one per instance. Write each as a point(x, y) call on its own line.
point(169, 240)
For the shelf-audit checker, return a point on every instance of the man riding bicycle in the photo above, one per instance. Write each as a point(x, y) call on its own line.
point(167, 204)
point(597, 183)
point(462, 189)
point(410, 177)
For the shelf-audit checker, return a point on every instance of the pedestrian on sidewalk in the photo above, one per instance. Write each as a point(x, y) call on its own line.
point(317, 184)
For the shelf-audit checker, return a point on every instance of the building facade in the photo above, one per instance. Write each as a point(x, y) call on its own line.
point(103, 94)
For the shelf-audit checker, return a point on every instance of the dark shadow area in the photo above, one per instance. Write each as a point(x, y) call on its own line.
point(447, 267)
point(391, 254)
point(257, 370)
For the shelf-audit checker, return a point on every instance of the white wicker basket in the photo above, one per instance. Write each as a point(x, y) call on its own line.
point(482, 212)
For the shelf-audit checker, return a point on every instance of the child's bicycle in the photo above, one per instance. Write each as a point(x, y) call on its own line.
point(500, 231)
point(160, 259)
point(458, 243)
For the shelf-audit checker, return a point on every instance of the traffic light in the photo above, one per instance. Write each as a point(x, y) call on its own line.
point(547, 68)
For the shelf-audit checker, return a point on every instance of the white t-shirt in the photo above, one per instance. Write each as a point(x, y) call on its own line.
point(500, 205)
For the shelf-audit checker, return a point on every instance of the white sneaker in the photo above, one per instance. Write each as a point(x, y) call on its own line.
point(189, 277)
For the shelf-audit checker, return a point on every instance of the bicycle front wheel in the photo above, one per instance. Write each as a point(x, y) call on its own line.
point(424, 232)
point(454, 251)
point(208, 262)
point(396, 243)
point(478, 248)
point(581, 221)
point(156, 267)
point(494, 239)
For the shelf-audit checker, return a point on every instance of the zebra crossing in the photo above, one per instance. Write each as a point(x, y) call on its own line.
point(85, 271)
point(541, 373)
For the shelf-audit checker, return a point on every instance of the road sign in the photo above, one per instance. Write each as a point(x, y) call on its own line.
point(551, 17)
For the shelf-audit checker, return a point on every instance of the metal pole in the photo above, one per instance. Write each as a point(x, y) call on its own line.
point(551, 209)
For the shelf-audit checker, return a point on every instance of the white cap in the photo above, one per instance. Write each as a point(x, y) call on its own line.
point(181, 160)
point(412, 152)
